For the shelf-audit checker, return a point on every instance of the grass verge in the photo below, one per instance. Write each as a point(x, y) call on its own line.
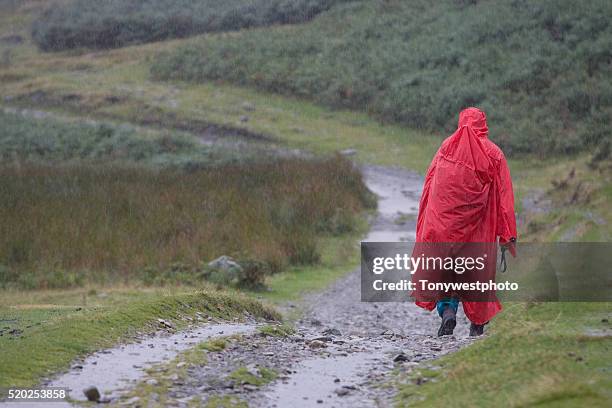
point(272, 330)
point(53, 334)
point(548, 355)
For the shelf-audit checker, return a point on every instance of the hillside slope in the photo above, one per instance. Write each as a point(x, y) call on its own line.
point(541, 70)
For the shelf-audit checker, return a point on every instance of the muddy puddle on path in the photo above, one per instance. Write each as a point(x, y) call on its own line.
point(116, 369)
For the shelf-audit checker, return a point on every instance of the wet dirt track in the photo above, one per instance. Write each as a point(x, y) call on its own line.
point(342, 354)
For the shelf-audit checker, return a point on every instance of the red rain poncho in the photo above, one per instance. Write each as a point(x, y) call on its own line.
point(467, 197)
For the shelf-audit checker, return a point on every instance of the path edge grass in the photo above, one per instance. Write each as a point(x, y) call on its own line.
point(557, 356)
point(66, 339)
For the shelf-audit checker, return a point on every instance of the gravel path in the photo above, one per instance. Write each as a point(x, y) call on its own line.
point(342, 353)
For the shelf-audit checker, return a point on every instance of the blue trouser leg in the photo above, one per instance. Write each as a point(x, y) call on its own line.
point(450, 302)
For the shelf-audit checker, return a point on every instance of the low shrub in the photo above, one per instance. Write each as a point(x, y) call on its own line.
point(115, 23)
point(253, 273)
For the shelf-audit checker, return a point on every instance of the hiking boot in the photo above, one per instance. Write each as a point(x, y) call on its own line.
point(449, 321)
point(476, 329)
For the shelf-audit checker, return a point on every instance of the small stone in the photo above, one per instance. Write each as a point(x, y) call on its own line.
point(252, 369)
point(92, 394)
point(341, 392)
point(181, 364)
point(337, 380)
point(15, 332)
point(244, 118)
point(166, 324)
point(332, 332)
point(152, 381)
point(319, 401)
point(400, 358)
point(317, 344)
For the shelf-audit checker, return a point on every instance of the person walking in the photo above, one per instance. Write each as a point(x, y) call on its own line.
point(467, 198)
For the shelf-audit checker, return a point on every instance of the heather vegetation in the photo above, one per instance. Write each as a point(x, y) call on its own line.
point(539, 69)
point(81, 223)
point(115, 23)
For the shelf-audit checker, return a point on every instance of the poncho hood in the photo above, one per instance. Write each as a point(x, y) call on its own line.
point(476, 120)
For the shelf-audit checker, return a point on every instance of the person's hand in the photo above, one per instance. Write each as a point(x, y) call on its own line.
point(508, 245)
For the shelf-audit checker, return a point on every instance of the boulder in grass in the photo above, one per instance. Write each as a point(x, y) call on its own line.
point(225, 263)
point(223, 270)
